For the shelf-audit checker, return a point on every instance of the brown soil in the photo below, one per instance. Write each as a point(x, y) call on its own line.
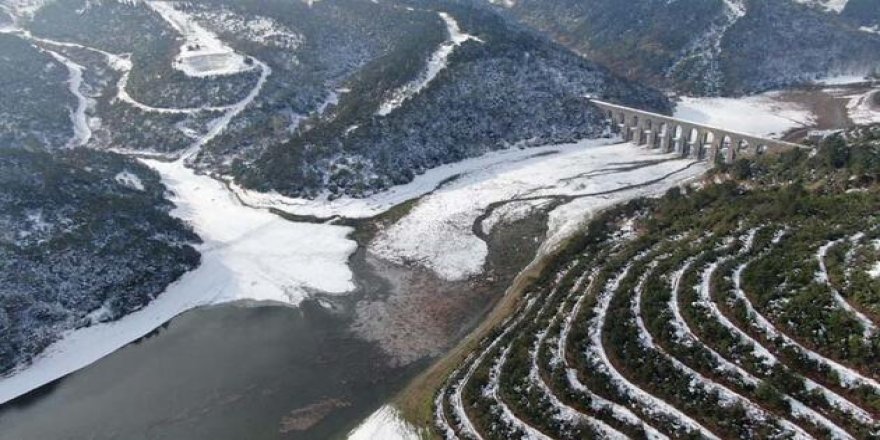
point(828, 103)
point(508, 273)
point(422, 316)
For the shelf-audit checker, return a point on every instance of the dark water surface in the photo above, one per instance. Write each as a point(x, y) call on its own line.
point(225, 372)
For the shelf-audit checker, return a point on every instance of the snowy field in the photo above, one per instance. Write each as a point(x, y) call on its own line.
point(438, 232)
point(248, 254)
point(384, 424)
point(759, 115)
point(202, 53)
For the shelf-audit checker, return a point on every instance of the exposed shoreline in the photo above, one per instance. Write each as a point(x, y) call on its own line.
point(415, 403)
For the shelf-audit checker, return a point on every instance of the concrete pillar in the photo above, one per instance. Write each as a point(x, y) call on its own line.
point(648, 129)
point(636, 135)
point(651, 139)
point(666, 140)
point(681, 142)
point(624, 128)
point(717, 143)
point(697, 144)
point(692, 144)
point(717, 140)
point(733, 150)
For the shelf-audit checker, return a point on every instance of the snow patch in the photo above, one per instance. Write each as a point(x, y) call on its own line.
point(705, 50)
point(436, 63)
point(384, 424)
point(863, 110)
point(847, 377)
point(505, 3)
point(761, 115)
point(596, 354)
point(835, 6)
point(842, 80)
point(129, 179)
point(81, 130)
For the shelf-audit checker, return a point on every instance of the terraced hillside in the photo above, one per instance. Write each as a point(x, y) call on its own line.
point(744, 307)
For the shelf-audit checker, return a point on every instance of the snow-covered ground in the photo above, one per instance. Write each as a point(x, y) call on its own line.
point(81, 130)
point(247, 254)
point(842, 80)
point(129, 179)
point(384, 424)
point(202, 53)
point(270, 258)
point(423, 184)
point(436, 63)
point(437, 233)
point(862, 110)
point(761, 115)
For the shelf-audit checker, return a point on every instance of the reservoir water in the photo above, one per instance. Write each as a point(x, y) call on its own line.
point(226, 372)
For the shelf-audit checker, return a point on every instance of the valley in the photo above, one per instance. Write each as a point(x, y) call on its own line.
point(419, 225)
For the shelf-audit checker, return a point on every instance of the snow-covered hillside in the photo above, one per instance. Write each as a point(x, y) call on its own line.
point(713, 47)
